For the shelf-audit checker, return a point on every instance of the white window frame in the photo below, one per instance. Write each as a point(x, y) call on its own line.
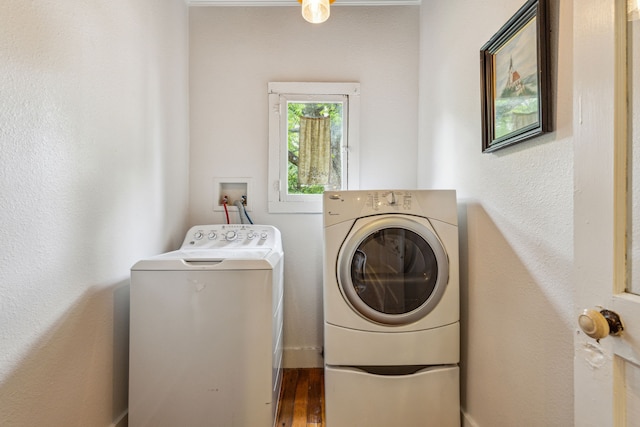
point(279, 94)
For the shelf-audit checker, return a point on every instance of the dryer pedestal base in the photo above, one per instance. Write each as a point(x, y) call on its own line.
point(427, 398)
point(351, 347)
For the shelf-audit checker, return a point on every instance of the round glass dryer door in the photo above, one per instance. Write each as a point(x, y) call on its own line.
point(393, 271)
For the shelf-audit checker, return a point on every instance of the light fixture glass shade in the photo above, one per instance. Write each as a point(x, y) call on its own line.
point(315, 11)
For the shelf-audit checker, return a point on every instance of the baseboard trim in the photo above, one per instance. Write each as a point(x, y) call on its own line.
point(122, 420)
point(302, 357)
point(467, 421)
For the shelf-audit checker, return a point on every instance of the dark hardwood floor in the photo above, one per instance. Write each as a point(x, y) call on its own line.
point(301, 398)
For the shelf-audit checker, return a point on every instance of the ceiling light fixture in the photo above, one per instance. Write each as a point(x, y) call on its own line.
point(315, 11)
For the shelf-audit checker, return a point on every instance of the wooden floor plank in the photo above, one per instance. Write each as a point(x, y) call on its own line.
point(301, 398)
point(314, 409)
point(322, 399)
point(287, 398)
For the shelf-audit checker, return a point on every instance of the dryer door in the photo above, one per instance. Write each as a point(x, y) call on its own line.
point(393, 270)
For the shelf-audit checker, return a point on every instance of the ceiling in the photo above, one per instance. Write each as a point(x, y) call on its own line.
point(295, 2)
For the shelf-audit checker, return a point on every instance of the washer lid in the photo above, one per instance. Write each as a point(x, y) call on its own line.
point(393, 270)
point(213, 259)
point(222, 254)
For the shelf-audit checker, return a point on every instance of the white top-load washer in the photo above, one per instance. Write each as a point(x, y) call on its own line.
point(206, 330)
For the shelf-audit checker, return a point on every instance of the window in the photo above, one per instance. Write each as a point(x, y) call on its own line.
point(313, 135)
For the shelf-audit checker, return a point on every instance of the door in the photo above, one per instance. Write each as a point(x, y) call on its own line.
point(393, 270)
point(607, 270)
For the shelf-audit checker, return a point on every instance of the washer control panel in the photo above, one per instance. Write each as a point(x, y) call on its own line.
point(231, 236)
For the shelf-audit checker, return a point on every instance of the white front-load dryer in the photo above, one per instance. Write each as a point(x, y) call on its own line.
point(391, 306)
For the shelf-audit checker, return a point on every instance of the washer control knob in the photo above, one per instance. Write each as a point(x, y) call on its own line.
point(198, 235)
point(212, 235)
point(263, 235)
point(251, 235)
point(231, 235)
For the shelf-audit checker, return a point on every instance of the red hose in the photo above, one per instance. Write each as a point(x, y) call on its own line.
point(226, 211)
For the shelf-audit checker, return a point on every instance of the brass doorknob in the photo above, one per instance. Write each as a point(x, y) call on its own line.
point(599, 324)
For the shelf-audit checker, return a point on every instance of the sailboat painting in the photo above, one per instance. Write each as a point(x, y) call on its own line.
point(515, 88)
point(516, 103)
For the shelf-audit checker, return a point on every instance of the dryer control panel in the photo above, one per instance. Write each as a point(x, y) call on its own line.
point(399, 199)
point(232, 236)
point(348, 205)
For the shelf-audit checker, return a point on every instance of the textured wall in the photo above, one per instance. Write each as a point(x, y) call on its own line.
point(235, 52)
point(93, 176)
point(516, 213)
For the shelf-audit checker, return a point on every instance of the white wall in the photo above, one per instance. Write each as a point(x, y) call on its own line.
point(235, 52)
point(516, 211)
point(93, 176)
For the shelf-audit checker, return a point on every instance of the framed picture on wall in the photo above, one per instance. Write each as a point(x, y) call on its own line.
point(514, 79)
